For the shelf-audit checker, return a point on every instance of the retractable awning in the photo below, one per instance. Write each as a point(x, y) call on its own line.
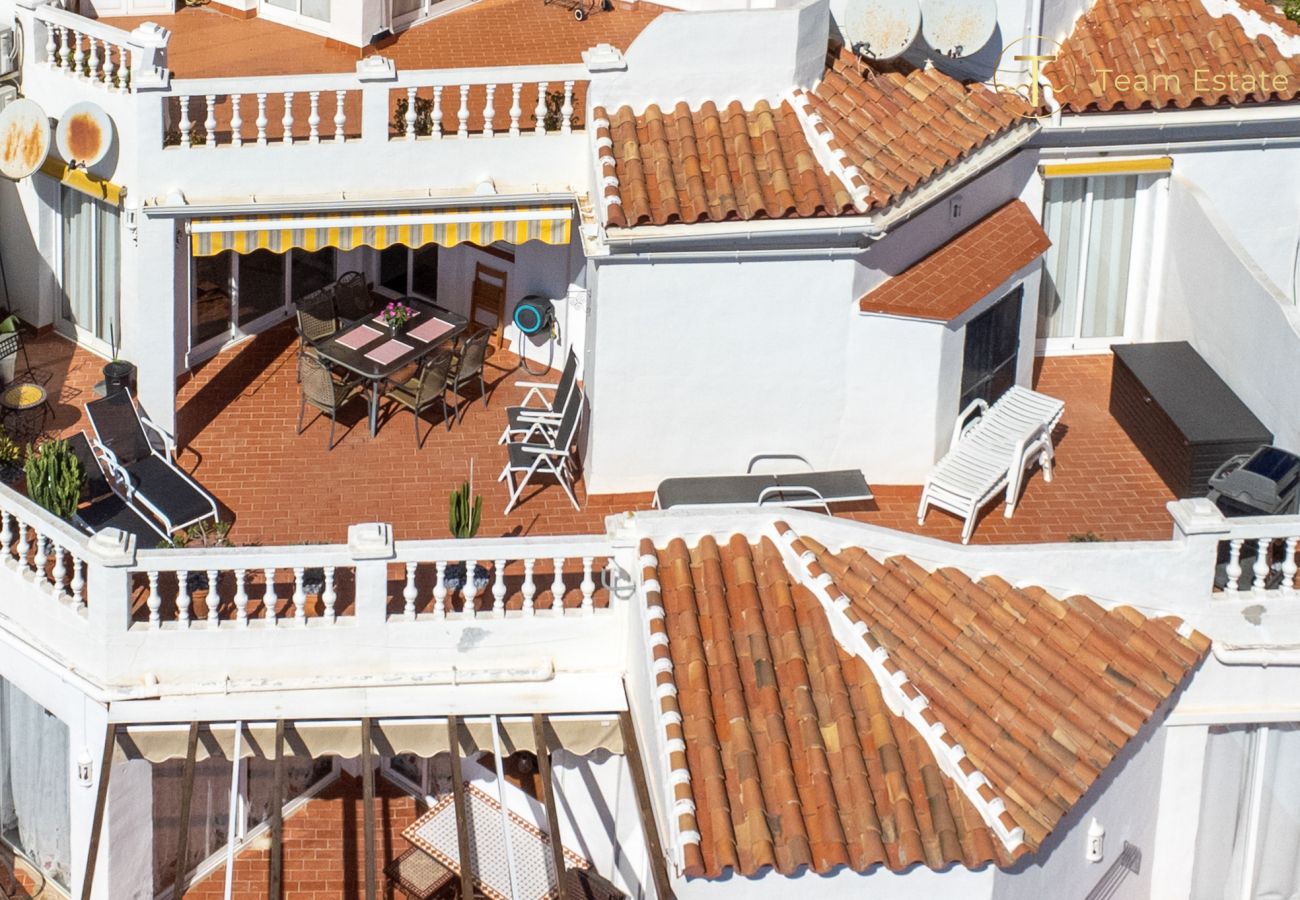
point(346, 231)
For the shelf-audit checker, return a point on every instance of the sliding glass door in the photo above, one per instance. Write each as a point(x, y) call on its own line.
point(90, 269)
point(1088, 273)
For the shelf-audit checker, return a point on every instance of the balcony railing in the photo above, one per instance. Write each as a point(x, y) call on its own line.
point(100, 54)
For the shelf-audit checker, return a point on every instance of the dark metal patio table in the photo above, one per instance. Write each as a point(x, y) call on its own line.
point(372, 358)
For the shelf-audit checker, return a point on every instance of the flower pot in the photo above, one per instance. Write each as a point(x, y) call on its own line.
point(118, 375)
point(454, 577)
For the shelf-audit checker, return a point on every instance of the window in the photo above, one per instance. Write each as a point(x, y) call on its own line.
point(1249, 825)
point(91, 266)
point(405, 271)
point(35, 817)
point(260, 285)
point(312, 9)
point(1085, 287)
point(310, 271)
point(992, 350)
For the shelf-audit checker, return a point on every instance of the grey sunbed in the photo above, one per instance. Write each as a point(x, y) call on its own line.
point(795, 489)
point(102, 507)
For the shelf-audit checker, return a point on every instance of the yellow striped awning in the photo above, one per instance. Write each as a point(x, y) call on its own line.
point(447, 227)
point(83, 181)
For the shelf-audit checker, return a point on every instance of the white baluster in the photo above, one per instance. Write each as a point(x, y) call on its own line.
point(186, 125)
point(286, 122)
point(313, 118)
point(183, 598)
point(410, 114)
point(6, 536)
point(155, 601)
point(241, 598)
point(566, 111)
point(408, 592)
point(1289, 565)
point(588, 587)
point(261, 119)
point(1263, 550)
point(92, 60)
point(210, 123)
point(539, 114)
point(557, 585)
point(489, 111)
point(499, 588)
point(124, 70)
point(329, 596)
point(236, 120)
point(38, 558)
point(470, 591)
point(269, 600)
point(1234, 565)
point(60, 570)
point(23, 545)
point(529, 588)
point(436, 130)
point(78, 55)
point(78, 586)
point(340, 117)
point(214, 598)
point(299, 596)
point(516, 90)
point(109, 68)
point(462, 115)
point(65, 52)
point(440, 591)
point(51, 46)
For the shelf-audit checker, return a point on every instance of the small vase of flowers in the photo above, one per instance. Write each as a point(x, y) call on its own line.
point(395, 316)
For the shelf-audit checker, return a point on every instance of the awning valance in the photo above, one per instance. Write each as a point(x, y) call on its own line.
point(81, 180)
point(346, 231)
point(316, 739)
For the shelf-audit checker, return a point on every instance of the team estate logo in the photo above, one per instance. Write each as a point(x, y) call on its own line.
point(1039, 52)
point(1013, 76)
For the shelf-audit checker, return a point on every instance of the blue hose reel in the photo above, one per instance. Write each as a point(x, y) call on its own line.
point(534, 315)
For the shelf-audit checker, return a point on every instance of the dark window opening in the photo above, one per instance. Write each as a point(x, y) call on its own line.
point(992, 350)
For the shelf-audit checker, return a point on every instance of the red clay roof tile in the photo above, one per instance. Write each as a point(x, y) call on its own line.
point(964, 270)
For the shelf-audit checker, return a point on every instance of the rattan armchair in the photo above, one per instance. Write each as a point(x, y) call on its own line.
point(322, 391)
point(466, 366)
point(352, 300)
point(427, 388)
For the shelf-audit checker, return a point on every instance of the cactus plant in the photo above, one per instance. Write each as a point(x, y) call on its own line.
point(465, 516)
point(11, 459)
point(55, 477)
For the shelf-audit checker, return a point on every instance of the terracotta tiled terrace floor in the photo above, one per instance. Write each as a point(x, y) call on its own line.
point(238, 413)
point(209, 44)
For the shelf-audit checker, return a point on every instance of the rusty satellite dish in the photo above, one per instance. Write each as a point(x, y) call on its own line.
point(881, 29)
point(84, 135)
point(957, 28)
point(24, 139)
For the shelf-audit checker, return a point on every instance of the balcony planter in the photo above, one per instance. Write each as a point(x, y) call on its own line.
point(118, 374)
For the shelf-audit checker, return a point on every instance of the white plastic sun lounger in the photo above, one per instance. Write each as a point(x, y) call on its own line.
point(992, 448)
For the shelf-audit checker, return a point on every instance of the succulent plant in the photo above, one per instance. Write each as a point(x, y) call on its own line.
point(465, 515)
point(55, 477)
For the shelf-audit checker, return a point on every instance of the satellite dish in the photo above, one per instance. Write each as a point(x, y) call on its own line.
point(881, 29)
point(84, 135)
point(24, 139)
point(957, 28)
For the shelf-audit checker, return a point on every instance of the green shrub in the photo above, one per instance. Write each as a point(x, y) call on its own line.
point(10, 453)
point(55, 477)
point(465, 516)
point(1291, 9)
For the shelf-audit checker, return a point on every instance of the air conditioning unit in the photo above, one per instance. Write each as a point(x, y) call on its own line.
point(8, 58)
point(8, 94)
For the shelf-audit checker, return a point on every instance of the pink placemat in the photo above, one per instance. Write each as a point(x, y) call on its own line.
point(388, 351)
point(358, 337)
point(431, 330)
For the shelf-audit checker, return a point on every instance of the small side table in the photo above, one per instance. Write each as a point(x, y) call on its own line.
point(18, 401)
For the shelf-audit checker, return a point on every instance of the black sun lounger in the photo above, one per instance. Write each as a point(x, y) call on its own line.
point(150, 482)
point(102, 508)
point(798, 489)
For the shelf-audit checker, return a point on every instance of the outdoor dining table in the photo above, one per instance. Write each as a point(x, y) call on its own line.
point(367, 349)
point(437, 834)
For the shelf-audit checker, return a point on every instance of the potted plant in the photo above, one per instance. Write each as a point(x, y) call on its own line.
point(465, 516)
point(55, 477)
point(8, 325)
point(395, 315)
point(11, 459)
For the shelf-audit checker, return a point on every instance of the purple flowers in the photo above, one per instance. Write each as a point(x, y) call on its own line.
point(396, 314)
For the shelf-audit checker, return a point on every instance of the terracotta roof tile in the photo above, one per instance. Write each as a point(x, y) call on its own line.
point(1184, 56)
point(964, 270)
point(791, 758)
point(903, 126)
point(710, 165)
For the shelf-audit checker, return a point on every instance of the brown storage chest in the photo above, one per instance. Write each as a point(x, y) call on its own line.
point(1180, 413)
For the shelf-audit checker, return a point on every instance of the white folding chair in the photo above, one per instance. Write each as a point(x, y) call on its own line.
point(544, 451)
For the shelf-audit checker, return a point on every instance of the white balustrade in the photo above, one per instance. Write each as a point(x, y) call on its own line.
point(1259, 556)
point(489, 111)
point(340, 116)
point(286, 121)
point(236, 120)
point(210, 122)
point(408, 592)
point(516, 90)
point(462, 115)
point(499, 588)
point(183, 601)
point(313, 118)
point(88, 49)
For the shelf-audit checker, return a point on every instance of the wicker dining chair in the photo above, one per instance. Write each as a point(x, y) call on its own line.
point(321, 390)
point(427, 388)
point(352, 299)
point(467, 365)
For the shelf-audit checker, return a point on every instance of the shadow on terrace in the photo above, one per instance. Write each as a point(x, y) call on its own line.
point(237, 419)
